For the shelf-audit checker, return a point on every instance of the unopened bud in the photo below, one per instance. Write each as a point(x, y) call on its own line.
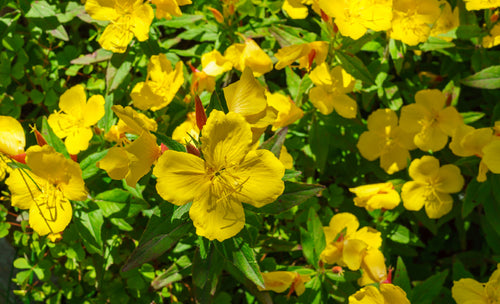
point(217, 15)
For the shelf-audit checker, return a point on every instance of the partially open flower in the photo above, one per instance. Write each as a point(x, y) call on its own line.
point(280, 281)
point(249, 55)
point(376, 196)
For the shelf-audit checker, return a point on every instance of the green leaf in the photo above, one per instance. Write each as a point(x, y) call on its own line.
point(427, 291)
point(475, 194)
point(119, 203)
point(98, 56)
point(52, 139)
point(292, 82)
point(184, 21)
point(354, 66)
point(403, 235)
point(488, 78)
point(470, 117)
point(275, 143)
point(169, 142)
point(206, 272)
point(89, 164)
point(41, 9)
point(401, 278)
point(21, 263)
point(158, 245)
point(434, 43)
point(89, 225)
point(293, 195)
point(242, 257)
point(313, 240)
point(319, 141)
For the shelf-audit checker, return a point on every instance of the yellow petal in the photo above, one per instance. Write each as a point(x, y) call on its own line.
point(226, 138)
point(467, 291)
point(369, 236)
point(345, 106)
point(289, 54)
point(285, 158)
point(78, 140)
point(295, 9)
point(353, 253)
point(215, 64)
point(449, 179)
point(367, 295)
point(134, 120)
point(340, 221)
point(449, 120)
point(245, 96)
point(73, 101)
point(51, 216)
point(321, 75)
point(332, 254)
point(394, 158)
point(370, 145)
point(380, 119)
point(411, 116)
point(101, 9)
point(216, 217)
point(12, 140)
point(373, 266)
point(393, 294)
point(23, 188)
point(433, 100)
point(413, 195)
point(141, 21)
point(179, 176)
point(115, 163)
point(424, 168)
point(473, 142)
point(456, 142)
point(256, 59)
point(321, 98)
point(260, 175)
point(438, 204)
point(116, 37)
point(493, 285)
point(94, 110)
point(234, 53)
point(278, 281)
point(491, 156)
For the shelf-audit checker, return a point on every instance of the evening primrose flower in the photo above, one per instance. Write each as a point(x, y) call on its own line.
point(231, 172)
point(483, 143)
point(354, 18)
point(373, 269)
point(285, 158)
point(472, 5)
point(431, 120)
point(128, 18)
point(117, 132)
point(376, 196)
point(431, 186)
point(493, 39)
point(161, 85)
point(288, 112)
point(305, 53)
point(47, 189)
point(447, 21)
point(330, 92)
point(280, 281)
point(249, 54)
point(168, 8)
point(133, 160)
point(345, 244)
point(412, 20)
point(470, 291)
point(384, 294)
point(386, 140)
point(187, 131)
point(75, 118)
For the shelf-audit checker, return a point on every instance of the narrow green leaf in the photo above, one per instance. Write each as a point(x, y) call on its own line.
point(488, 78)
point(243, 258)
point(88, 165)
point(427, 291)
point(98, 56)
point(52, 139)
point(275, 143)
point(169, 142)
point(401, 278)
point(206, 272)
point(354, 66)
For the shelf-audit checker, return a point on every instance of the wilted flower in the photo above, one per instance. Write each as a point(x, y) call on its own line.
point(385, 294)
point(330, 92)
point(47, 189)
point(249, 54)
point(75, 118)
point(231, 172)
point(161, 85)
point(305, 53)
point(345, 244)
point(387, 140)
point(133, 160)
point(470, 291)
point(431, 186)
point(280, 281)
point(353, 18)
point(412, 20)
point(168, 8)
point(128, 18)
point(430, 119)
point(376, 196)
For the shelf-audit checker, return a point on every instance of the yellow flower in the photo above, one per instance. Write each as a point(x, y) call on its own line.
point(447, 21)
point(412, 20)
point(214, 64)
point(353, 18)
point(231, 173)
point(493, 39)
point(187, 130)
point(385, 294)
point(471, 5)
point(288, 112)
point(332, 87)
point(431, 186)
point(135, 159)
point(47, 189)
point(386, 140)
point(305, 53)
point(430, 119)
point(297, 9)
point(247, 97)
point(249, 55)
point(482, 143)
point(345, 244)
point(128, 18)
point(117, 132)
point(12, 140)
point(161, 85)
point(168, 8)
point(374, 270)
point(75, 118)
point(469, 291)
point(285, 158)
point(279, 281)
point(376, 196)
